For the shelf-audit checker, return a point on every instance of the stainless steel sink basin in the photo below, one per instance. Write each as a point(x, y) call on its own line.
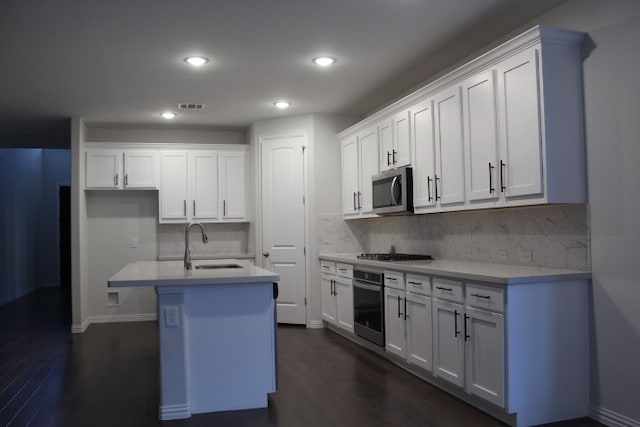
point(216, 266)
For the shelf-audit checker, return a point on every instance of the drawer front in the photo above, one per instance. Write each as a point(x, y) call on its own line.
point(418, 284)
point(394, 279)
point(328, 267)
point(345, 270)
point(485, 297)
point(449, 290)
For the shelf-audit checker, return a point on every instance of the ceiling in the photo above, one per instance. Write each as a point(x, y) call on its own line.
point(120, 62)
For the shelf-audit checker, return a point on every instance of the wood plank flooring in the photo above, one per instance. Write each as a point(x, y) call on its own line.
point(108, 376)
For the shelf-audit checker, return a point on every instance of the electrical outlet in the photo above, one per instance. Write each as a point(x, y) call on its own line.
point(502, 254)
point(133, 242)
point(525, 257)
point(171, 319)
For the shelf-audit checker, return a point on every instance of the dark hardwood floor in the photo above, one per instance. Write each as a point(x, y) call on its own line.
point(108, 376)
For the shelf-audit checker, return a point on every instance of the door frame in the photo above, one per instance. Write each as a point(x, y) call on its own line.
point(258, 207)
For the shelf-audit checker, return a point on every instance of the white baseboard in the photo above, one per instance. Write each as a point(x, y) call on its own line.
point(610, 418)
point(113, 318)
point(315, 324)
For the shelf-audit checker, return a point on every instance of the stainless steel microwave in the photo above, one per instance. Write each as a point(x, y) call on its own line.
point(393, 192)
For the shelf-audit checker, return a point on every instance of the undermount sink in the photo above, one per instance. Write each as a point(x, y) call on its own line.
point(216, 266)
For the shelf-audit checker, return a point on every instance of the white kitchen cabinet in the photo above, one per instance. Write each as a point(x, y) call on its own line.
point(424, 145)
point(419, 330)
point(360, 161)
point(121, 169)
point(203, 185)
point(395, 141)
point(394, 322)
point(337, 294)
point(448, 341)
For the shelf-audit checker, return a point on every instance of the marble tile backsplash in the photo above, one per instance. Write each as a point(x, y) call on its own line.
point(224, 239)
point(544, 236)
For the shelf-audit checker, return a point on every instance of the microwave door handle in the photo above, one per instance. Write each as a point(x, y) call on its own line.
point(393, 187)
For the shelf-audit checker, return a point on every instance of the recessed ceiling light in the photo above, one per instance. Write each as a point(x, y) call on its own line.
point(168, 115)
point(196, 61)
point(282, 104)
point(324, 61)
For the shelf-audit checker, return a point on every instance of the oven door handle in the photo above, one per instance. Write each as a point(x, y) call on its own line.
point(368, 287)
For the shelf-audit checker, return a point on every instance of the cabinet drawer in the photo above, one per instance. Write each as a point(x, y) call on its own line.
point(485, 297)
point(345, 270)
point(418, 284)
point(328, 267)
point(449, 290)
point(394, 279)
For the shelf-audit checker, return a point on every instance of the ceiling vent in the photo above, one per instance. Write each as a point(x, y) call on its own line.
point(190, 106)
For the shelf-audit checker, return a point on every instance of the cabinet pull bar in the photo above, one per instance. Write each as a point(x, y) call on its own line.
point(393, 279)
point(429, 198)
point(355, 208)
point(481, 296)
point(116, 180)
point(444, 289)
point(185, 207)
point(393, 157)
point(194, 208)
point(435, 184)
point(491, 189)
point(359, 201)
point(502, 186)
point(455, 323)
point(414, 283)
point(466, 336)
point(325, 266)
point(126, 179)
point(342, 269)
point(399, 313)
point(406, 316)
point(388, 161)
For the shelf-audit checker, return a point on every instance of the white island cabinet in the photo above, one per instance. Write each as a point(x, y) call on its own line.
point(217, 334)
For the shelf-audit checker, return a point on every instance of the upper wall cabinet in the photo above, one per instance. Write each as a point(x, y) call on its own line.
point(505, 129)
point(360, 161)
point(121, 169)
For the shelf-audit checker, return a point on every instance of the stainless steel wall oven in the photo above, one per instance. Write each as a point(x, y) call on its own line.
point(368, 305)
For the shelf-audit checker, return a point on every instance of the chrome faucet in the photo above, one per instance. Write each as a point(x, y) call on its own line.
point(187, 250)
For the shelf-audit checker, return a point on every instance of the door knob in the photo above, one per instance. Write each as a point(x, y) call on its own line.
point(265, 254)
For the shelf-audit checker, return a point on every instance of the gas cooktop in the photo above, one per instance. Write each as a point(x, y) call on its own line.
point(392, 256)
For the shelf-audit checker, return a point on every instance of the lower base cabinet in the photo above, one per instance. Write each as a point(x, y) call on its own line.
point(337, 295)
point(419, 331)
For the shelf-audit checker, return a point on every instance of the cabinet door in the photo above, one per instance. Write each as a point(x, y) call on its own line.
point(140, 169)
point(173, 189)
point(329, 312)
point(448, 342)
point(449, 147)
point(480, 136)
point(519, 124)
point(203, 185)
point(369, 166)
point(344, 302)
point(484, 371)
point(103, 169)
point(233, 185)
point(386, 145)
point(401, 139)
point(424, 165)
point(394, 326)
point(419, 331)
point(350, 176)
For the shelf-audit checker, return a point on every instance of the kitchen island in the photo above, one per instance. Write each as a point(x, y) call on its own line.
point(217, 333)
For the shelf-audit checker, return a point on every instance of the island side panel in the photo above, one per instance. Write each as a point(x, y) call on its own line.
point(172, 329)
point(231, 346)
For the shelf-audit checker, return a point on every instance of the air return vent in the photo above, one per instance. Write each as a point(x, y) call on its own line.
point(190, 106)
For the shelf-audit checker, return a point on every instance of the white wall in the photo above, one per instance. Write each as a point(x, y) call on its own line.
point(612, 112)
point(163, 134)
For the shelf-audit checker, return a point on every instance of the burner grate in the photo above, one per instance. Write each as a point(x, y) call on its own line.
point(394, 257)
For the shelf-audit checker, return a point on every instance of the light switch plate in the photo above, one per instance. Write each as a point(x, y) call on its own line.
point(171, 319)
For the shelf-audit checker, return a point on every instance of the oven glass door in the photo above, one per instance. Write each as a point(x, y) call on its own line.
point(368, 310)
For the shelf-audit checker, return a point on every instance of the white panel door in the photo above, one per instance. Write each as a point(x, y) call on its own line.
point(484, 371)
point(173, 189)
point(402, 139)
point(448, 342)
point(283, 222)
point(369, 166)
point(385, 130)
point(140, 169)
point(203, 185)
point(419, 331)
point(350, 174)
point(344, 300)
point(232, 184)
point(424, 165)
point(329, 312)
point(394, 322)
point(449, 147)
point(103, 169)
point(480, 136)
point(519, 124)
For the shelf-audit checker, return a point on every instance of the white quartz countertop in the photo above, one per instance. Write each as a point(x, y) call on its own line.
point(172, 273)
point(502, 274)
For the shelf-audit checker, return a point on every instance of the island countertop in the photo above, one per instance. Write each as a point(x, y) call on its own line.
point(173, 273)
